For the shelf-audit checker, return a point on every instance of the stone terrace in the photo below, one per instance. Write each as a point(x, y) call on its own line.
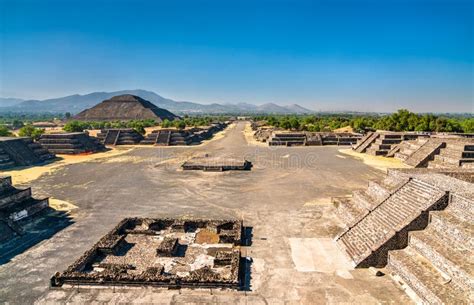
point(425, 241)
point(22, 152)
point(124, 136)
point(71, 143)
point(15, 205)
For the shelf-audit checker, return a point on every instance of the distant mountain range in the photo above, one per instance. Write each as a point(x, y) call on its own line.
point(76, 103)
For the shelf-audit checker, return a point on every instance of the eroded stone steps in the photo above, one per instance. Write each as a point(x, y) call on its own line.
point(462, 208)
point(453, 229)
point(426, 152)
point(431, 286)
point(14, 195)
point(456, 262)
point(366, 142)
point(377, 227)
point(347, 210)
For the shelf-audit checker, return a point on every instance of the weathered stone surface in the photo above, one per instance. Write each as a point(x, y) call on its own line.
point(15, 205)
point(147, 251)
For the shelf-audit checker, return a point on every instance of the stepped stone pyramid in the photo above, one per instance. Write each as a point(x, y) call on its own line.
point(381, 143)
point(455, 153)
point(16, 205)
point(121, 136)
point(436, 152)
point(71, 143)
point(278, 138)
point(123, 108)
point(22, 152)
point(419, 223)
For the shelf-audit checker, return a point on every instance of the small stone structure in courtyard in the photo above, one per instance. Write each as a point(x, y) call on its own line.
point(216, 164)
point(22, 152)
point(418, 223)
point(173, 253)
point(16, 206)
point(72, 143)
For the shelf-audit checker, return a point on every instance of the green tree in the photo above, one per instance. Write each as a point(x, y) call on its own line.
point(31, 131)
point(166, 123)
point(5, 132)
point(180, 124)
point(75, 126)
point(17, 124)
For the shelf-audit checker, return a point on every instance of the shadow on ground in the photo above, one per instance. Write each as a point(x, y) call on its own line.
point(36, 229)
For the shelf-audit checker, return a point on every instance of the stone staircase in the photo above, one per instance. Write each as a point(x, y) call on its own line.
point(438, 264)
point(365, 142)
point(164, 138)
point(5, 160)
point(151, 138)
point(111, 137)
point(287, 139)
point(426, 152)
point(71, 143)
point(455, 154)
point(383, 144)
point(123, 136)
point(180, 137)
point(403, 150)
point(381, 218)
point(15, 205)
point(22, 152)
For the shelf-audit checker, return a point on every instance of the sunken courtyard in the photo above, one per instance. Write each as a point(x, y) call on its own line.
point(161, 224)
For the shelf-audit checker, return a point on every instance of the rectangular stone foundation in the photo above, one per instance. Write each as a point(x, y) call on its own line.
point(151, 252)
point(216, 164)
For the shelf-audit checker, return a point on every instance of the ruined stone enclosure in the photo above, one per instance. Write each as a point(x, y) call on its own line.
point(170, 253)
point(210, 164)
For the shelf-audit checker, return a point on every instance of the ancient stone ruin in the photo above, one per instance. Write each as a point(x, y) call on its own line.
point(173, 253)
point(418, 223)
point(71, 143)
point(436, 152)
point(171, 137)
point(124, 108)
point(22, 152)
point(285, 138)
point(381, 143)
point(119, 136)
point(216, 164)
point(16, 206)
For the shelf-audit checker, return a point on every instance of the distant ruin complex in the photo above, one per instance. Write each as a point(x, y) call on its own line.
point(171, 137)
point(173, 253)
point(286, 138)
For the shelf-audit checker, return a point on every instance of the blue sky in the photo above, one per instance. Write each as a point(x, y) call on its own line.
point(325, 55)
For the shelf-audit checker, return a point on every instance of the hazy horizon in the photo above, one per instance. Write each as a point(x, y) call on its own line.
point(366, 56)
